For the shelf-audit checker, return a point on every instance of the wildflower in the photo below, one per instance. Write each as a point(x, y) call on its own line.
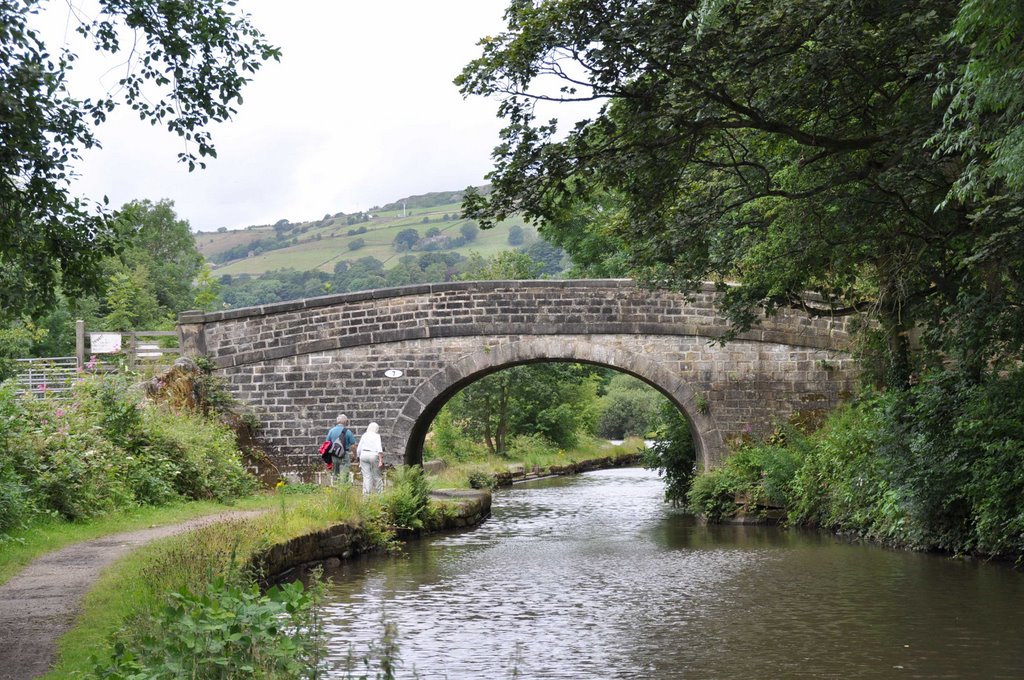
point(41, 387)
point(59, 413)
point(280, 484)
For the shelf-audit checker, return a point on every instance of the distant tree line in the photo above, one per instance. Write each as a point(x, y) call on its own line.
point(158, 273)
point(538, 259)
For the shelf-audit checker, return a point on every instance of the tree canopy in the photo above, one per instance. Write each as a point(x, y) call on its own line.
point(819, 145)
point(186, 65)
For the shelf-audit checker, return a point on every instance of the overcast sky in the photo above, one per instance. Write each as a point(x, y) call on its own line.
point(360, 111)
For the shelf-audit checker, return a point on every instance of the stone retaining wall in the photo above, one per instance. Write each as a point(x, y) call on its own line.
point(326, 548)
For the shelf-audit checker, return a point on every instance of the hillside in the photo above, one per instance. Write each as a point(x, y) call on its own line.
point(322, 244)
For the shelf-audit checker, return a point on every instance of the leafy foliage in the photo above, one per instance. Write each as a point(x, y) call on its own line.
point(712, 494)
point(406, 239)
point(363, 274)
point(230, 631)
point(157, 274)
point(428, 266)
point(555, 400)
point(201, 452)
point(186, 69)
point(629, 408)
point(940, 466)
point(983, 120)
point(106, 449)
point(791, 146)
point(450, 442)
point(673, 455)
point(161, 244)
point(508, 265)
point(15, 343)
point(406, 502)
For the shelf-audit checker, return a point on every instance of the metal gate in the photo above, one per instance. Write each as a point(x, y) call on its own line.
point(46, 375)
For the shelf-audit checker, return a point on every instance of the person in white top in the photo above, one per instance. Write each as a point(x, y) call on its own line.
point(371, 460)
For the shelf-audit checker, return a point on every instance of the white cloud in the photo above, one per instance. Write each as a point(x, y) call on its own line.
point(360, 111)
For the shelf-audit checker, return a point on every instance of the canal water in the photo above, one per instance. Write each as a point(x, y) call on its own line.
point(594, 576)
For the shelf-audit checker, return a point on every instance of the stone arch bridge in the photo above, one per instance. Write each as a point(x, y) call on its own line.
point(396, 355)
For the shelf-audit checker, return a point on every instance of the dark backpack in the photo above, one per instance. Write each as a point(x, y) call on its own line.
point(338, 448)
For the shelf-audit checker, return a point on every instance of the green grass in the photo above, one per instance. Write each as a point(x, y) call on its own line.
point(211, 243)
point(333, 246)
point(46, 536)
point(138, 583)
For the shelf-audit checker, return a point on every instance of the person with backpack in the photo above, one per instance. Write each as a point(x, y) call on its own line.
point(342, 440)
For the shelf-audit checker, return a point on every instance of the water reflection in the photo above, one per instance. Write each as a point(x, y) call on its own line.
point(594, 577)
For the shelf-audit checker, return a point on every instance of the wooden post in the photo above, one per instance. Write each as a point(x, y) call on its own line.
point(80, 343)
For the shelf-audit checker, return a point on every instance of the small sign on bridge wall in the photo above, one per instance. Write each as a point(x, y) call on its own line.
point(104, 343)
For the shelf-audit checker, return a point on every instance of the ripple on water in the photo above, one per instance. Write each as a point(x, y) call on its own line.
point(594, 577)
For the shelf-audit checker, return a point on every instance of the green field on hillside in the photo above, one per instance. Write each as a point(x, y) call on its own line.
point(212, 243)
point(321, 244)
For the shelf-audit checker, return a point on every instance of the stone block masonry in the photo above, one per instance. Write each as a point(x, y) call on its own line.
point(395, 356)
point(327, 547)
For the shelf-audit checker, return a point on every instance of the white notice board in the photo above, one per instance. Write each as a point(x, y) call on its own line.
point(104, 343)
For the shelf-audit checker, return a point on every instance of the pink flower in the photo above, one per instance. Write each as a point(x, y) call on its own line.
point(41, 387)
point(59, 413)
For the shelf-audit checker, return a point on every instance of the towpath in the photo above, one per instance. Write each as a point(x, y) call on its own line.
point(41, 603)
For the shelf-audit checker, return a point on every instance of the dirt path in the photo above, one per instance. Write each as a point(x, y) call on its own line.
point(40, 604)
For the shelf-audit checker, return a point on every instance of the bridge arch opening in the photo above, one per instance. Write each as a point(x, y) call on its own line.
point(423, 406)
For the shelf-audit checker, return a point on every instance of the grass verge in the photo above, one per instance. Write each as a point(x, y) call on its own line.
point(46, 536)
point(138, 585)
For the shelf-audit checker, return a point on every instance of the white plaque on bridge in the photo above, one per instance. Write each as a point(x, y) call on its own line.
point(393, 373)
point(104, 343)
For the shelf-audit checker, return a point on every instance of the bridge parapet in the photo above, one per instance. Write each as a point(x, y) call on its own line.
point(563, 307)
